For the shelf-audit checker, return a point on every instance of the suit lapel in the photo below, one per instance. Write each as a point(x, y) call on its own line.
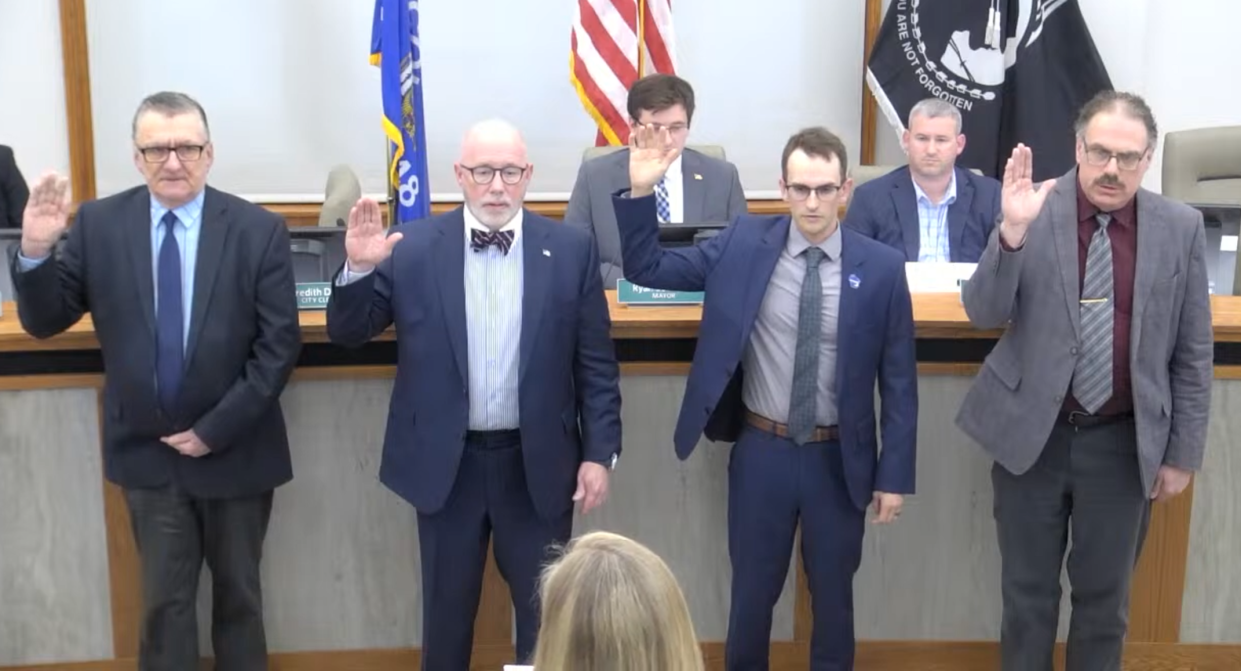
point(958, 212)
point(138, 243)
point(450, 276)
point(1150, 242)
point(906, 203)
point(851, 261)
point(695, 190)
point(762, 264)
point(1063, 222)
point(213, 231)
point(536, 277)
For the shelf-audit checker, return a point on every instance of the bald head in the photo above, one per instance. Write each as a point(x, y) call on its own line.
point(493, 171)
point(493, 135)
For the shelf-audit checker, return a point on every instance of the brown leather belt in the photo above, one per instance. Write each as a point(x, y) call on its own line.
point(821, 433)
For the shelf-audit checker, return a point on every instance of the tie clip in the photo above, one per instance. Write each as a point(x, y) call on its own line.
point(1092, 300)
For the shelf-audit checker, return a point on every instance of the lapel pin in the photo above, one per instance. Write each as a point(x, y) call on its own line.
point(546, 253)
point(698, 177)
point(855, 281)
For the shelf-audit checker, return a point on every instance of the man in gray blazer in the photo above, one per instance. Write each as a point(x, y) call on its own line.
point(1094, 402)
point(696, 189)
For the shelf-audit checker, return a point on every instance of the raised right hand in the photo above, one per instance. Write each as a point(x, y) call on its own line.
point(366, 243)
point(651, 153)
point(1019, 200)
point(46, 216)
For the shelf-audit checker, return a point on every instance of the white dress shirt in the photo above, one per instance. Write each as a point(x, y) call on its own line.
point(674, 181)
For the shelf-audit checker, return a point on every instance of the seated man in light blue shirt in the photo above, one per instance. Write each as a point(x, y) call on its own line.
point(931, 209)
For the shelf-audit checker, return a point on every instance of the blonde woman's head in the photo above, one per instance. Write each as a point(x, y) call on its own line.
point(610, 604)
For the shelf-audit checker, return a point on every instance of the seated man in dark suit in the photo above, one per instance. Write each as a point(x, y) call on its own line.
point(930, 209)
point(13, 191)
point(697, 188)
point(192, 296)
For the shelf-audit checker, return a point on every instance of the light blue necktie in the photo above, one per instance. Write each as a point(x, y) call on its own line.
point(661, 202)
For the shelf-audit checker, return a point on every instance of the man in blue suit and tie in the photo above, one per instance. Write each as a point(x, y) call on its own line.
point(506, 406)
point(930, 210)
point(801, 320)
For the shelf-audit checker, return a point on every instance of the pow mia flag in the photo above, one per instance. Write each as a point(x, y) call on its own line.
point(1018, 70)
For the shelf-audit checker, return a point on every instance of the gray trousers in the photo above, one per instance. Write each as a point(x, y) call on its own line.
point(175, 533)
point(1085, 486)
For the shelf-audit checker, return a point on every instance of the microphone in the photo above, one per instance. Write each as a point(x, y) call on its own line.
point(339, 196)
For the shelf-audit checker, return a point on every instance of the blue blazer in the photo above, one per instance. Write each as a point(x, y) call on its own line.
point(569, 381)
point(886, 209)
point(875, 337)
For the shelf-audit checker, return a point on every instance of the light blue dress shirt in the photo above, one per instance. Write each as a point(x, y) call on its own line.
point(933, 237)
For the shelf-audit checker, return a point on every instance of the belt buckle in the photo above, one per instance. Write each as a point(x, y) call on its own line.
point(1076, 413)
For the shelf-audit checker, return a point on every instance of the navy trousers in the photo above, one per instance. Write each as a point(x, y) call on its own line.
point(490, 497)
point(772, 485)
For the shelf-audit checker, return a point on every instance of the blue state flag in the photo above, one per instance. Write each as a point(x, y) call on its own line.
point(395, 49)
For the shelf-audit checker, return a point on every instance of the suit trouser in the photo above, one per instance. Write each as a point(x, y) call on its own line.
point(175, 533)
point(772, 484)
point(1085, 486)
point(490, 496)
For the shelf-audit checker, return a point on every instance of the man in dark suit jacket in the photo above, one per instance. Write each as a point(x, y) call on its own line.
point(801, 320)
point(506, 406)
point(696, 189)
point(931, 209)
point(13, 191)
point(192, 298)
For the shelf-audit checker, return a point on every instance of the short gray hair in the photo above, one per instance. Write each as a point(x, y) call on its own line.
point(170, 103)
point(934, 108)
point(1130, 104)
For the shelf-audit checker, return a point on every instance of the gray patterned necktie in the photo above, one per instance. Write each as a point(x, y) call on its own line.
point(1092, 378)
point(803, 403)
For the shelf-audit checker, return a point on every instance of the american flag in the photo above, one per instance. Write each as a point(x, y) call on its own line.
point(614, 43)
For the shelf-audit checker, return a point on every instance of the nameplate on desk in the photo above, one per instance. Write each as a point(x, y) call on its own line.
point(937, 278)
point(313, 295)
point(628, 293)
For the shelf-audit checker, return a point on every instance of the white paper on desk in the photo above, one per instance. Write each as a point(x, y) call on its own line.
point(1227, 243)
point(937, 278)
point(516, 667)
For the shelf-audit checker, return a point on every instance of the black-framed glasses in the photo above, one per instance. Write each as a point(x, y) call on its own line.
point(673, 128)
point(823, 191)
point(1129, 160)
point(185, 152)
point(484, 174)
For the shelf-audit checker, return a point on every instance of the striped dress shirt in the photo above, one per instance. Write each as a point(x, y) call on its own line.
point(493, 295)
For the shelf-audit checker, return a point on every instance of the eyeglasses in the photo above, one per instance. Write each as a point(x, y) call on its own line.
point(484, 174)
point(672, 128)
point(1098, 156)
point(823, 191)
point(185, 152)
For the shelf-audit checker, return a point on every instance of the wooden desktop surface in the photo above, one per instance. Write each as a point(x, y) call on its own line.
point(935, 316)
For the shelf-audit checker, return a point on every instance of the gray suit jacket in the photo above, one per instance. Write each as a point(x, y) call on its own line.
point(1014, 401)
point(717, 196)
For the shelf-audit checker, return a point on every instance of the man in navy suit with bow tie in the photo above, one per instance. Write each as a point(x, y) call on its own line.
point(801, 319)
point(506, 406)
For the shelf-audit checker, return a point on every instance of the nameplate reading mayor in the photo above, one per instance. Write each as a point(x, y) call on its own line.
point(628, 293)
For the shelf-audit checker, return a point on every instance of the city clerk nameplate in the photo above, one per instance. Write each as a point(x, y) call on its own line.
point(313, 295)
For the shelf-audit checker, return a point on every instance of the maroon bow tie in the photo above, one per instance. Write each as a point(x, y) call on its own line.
point(480, 240)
